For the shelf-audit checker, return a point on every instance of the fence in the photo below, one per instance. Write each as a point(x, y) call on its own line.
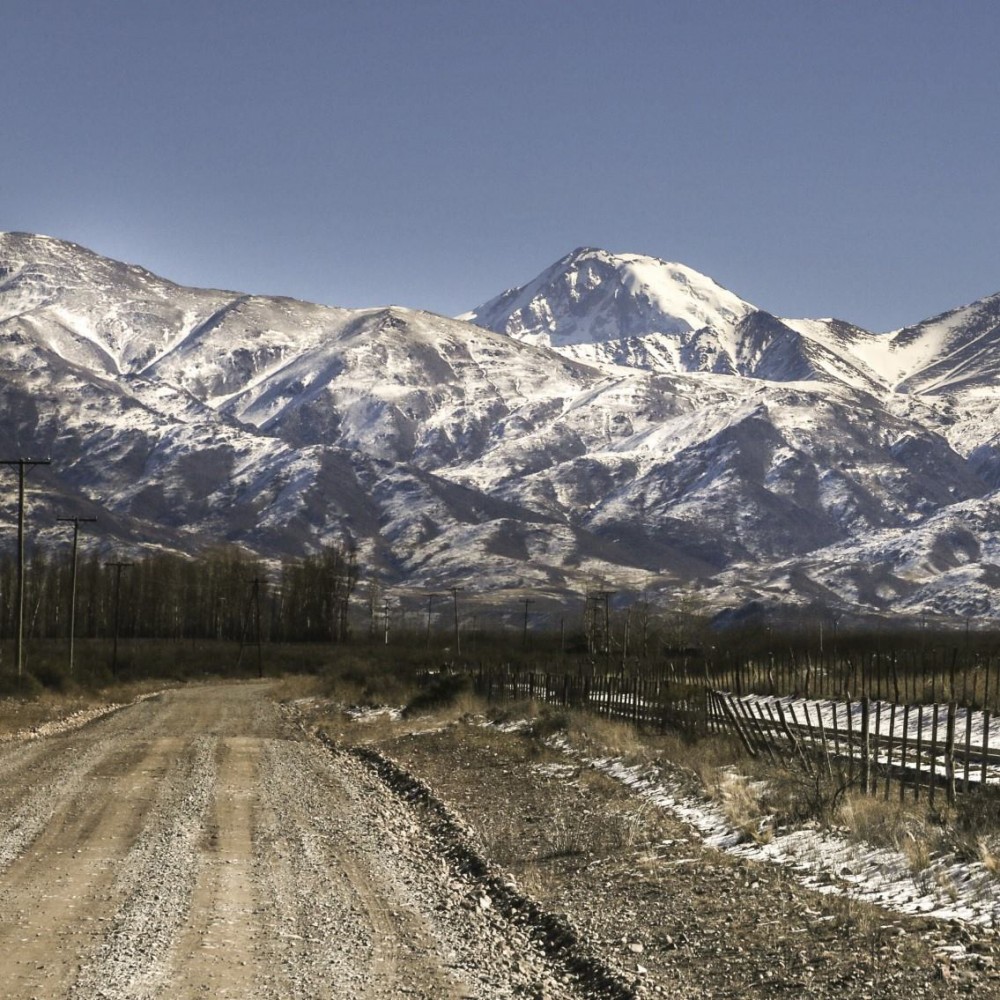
point(872, 743)
point(919, 747)
point(652, 701)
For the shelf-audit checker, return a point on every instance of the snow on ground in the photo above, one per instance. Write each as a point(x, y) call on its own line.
point(823, 860)
point(368, 713)
point(948, 889)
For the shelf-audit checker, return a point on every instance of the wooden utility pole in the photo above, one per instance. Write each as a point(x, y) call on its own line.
point(524, 635)
point(76, 522)
point(253, 607)
point(22, 464)
point(628, 620)
point(458, 641)
point(605, 596)
point(118, 567)
point(430, 604)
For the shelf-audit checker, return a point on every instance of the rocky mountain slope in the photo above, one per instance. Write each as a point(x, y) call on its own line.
point(619, 419)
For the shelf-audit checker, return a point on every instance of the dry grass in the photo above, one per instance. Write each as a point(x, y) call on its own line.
point(618, 738)
point(877, 822)
point(292, 687)
point(743, 805)
point(759, 797)
point(989, 857)
point(383, 723)
point(18, 714)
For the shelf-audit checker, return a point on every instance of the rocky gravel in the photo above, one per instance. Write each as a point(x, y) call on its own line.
point(210, 842)
point(202, 843)
point(671, 916)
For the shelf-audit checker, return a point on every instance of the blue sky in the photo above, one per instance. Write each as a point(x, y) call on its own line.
point(816, 158)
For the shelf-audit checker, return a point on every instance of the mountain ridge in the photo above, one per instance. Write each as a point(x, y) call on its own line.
point(446, 450)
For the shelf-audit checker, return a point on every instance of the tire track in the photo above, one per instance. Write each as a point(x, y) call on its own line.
point(218, 949)
point(201, 845)
point(56, 896)
point(155, 881)
point(39, 785)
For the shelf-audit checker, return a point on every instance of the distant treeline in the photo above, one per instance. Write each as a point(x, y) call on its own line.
point(223, 594)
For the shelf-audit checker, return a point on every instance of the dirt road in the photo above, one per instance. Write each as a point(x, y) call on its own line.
point(201, 844)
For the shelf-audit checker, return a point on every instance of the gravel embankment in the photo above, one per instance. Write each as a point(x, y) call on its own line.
point(653, 902)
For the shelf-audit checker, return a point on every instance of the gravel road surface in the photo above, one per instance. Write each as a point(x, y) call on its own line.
point(200, 843)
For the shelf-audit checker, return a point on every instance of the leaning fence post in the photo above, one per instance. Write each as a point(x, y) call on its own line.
point(758, 723)
point(866, 745)
point(876, 743)
point(889, 749)
point(780, 743)
point(724, 701)
point(949, 752)
point(813, 745)
point(792, 738)
point(919, 753)
point(967, 763)
point(850, 742)
point(931, 789)
point(902, 751)
point(986, 749)
point(822, 736)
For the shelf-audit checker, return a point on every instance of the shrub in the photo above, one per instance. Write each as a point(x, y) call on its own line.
point(441, 691)
point(25, 686)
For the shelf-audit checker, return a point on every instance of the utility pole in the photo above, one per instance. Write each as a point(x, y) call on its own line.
point(524, 634)
point(253, 607)
point(454, 596)
point(118, 567)
point(628, 620)
point(592, 620)
point(76, 522)
point(430, 603)
point(22, 464)
point(606, 596)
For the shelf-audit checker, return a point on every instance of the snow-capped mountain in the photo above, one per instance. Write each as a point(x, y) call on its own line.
point(636, 311)
point(592, 296)
point(617, 419)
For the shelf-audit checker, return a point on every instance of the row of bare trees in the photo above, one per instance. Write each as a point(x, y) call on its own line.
point(222, 594)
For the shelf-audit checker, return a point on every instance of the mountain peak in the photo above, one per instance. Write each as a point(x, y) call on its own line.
point(594, 296)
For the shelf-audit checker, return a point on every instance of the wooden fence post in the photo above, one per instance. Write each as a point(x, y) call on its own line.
point(932, 781)
point(919, 753)
point(758, 724)
point(792, 739)
point(725, 701)
point(889, 748)
point(949, 752)
point(968, 749)
point(986, 749)
point(822, 737)
point(850, 742)
point(902, 751)
point(866, 745)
